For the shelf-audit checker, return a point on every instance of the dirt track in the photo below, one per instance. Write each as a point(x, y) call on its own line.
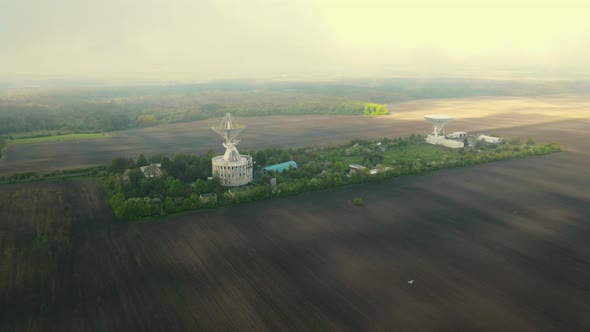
point(473, 114)
point(499, 246)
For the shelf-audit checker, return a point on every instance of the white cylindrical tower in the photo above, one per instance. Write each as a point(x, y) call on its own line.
point(233, 168)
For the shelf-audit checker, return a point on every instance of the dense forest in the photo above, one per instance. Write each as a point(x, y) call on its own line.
point(41, 112)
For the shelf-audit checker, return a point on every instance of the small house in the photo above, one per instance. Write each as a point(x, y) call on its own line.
point(355, 168)
point(457, 134)
point(208, 198)
point(489, 139)
point(152, 171)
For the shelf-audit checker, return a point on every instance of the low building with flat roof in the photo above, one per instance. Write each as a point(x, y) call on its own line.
point(441, 140)
point(489, 139)
point(280, 167)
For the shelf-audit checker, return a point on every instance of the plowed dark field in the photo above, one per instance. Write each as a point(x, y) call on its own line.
point(499, 246)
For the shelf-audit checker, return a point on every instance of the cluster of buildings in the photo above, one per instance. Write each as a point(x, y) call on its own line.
point(235, 169)
point(232, 168)
point(455, 140)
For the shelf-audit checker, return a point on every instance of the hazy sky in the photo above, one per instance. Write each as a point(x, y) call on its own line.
point(307, 39)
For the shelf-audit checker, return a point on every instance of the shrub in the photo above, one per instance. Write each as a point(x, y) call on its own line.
point(358, 201)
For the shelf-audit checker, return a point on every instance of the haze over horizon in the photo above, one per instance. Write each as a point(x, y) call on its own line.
point(185, 40)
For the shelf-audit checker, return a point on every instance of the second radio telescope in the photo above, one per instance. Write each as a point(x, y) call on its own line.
point(438, 123)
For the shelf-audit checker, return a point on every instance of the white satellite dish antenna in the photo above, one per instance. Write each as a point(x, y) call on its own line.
point(438, 123)
point(228, 128)
point(233, 168)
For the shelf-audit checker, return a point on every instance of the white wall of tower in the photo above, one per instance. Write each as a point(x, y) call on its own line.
point(233, 174)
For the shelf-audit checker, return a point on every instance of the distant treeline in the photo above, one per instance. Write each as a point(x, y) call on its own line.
point(375, 109)
point(2, 145)
point(50, 112)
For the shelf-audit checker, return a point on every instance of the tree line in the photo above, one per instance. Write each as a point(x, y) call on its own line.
point(59, 111)
point(37, 117)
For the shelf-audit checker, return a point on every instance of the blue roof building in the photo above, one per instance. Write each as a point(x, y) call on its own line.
point(280, 167)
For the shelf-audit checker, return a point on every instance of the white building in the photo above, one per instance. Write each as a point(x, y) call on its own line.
point(233, 168)
point(457, 134)
point(489, 139)
point(236, 171)
point(355, 168)
point(441, 140)
point(151, 171)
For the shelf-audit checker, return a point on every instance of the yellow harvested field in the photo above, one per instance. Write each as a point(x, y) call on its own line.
point(538, 109)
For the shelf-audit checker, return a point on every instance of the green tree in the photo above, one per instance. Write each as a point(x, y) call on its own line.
point(176, 188)
point(135, 175)
point(192, 202)
point(169, 205)
point(145, 120)
point(205, 164)
point(141, 161)
point(117, 200)
point(215, 185)
point(2, 144)
point(201, 187)
point(120, 164)
point(284, 156)
point(260, 157)
point(339, 167)
point(157, 158)
point(375, 109)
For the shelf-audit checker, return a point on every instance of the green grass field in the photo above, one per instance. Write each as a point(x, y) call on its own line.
point(422, 150)
point(55, 138)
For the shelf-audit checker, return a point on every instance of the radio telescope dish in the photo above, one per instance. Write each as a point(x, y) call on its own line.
point(438, 123)
point(232, 168)
point(228, 128)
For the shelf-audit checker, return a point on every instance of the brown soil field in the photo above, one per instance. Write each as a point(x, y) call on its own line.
point(33, 280)
point(496, 247)
point(472, 114)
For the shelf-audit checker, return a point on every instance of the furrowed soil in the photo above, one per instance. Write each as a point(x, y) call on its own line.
point(296, 131)
point(38, 278)
point(498, 246)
